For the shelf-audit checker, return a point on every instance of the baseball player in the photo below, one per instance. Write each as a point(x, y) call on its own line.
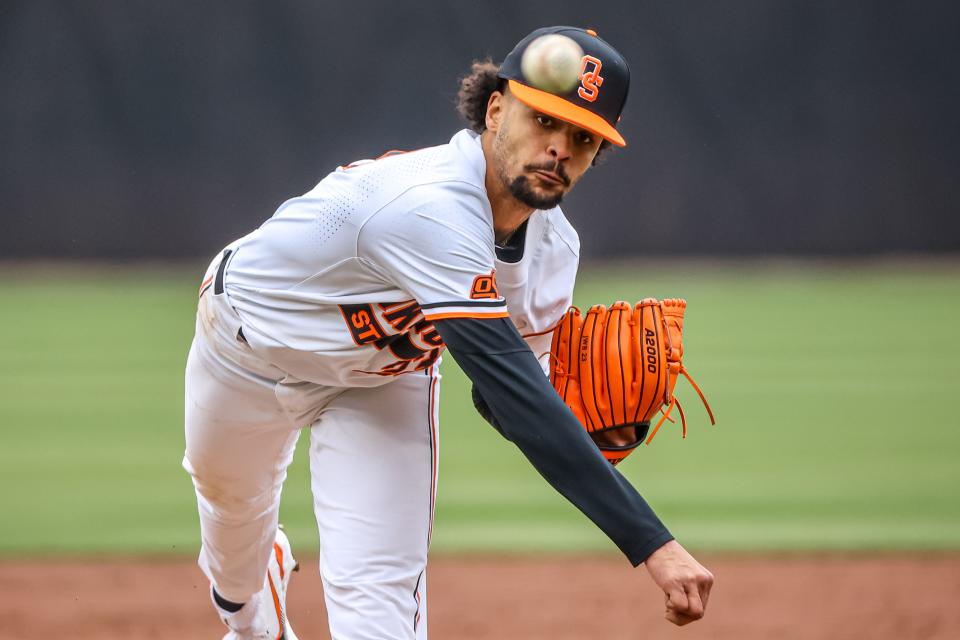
point(334, 315)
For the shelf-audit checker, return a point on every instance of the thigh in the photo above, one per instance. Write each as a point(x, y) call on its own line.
point(373, 460)
point(235, 428)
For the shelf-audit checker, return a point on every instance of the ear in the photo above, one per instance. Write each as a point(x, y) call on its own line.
point(495, 109)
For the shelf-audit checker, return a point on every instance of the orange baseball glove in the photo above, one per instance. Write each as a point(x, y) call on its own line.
point(616, 368)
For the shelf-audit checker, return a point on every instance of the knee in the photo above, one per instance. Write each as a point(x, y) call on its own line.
point(227, 493)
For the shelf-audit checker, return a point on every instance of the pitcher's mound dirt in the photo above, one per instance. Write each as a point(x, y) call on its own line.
point(902, 597)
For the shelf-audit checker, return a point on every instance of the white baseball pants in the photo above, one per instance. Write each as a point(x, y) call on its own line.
point(373, 464)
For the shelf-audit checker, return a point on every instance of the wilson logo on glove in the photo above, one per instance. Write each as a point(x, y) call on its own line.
point(617, 368)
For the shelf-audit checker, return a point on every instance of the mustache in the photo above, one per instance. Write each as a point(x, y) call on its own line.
point(555, 167)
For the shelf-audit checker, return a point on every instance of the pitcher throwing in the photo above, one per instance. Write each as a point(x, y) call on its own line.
point(333, 315)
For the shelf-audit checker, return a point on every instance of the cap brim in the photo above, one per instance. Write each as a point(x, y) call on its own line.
point(557, 107)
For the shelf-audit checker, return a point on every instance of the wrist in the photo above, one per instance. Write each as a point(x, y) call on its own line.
point(663, 552)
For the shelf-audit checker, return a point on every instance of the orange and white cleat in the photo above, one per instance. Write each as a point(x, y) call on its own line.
point(268, 620)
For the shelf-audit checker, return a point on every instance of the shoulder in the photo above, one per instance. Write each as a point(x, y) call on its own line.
point(434, 216)
point(458, 162)
point(448, 204)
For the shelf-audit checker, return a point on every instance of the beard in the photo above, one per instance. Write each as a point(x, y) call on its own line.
point(521, 189)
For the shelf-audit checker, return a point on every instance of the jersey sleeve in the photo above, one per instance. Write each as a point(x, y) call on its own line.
point(512, 394)
point(437, 245)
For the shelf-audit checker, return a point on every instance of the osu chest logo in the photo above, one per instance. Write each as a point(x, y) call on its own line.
point(398, 327)
point(590, 78)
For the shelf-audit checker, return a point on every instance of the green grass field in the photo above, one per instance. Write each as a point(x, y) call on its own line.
point(835, 388)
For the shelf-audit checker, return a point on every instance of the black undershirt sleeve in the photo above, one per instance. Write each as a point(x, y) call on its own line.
point(528, 412)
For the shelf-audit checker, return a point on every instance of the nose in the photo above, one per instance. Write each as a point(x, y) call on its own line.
point(559, 147)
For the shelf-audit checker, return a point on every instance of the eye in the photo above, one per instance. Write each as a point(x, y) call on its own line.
point(544, 121)
point(584, 137)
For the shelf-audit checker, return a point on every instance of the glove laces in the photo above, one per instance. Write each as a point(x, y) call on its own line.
point(674, 402)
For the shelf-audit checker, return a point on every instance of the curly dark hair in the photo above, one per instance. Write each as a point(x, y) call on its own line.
point(474, 94)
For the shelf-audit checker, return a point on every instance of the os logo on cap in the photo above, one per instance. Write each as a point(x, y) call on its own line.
point(591, 80)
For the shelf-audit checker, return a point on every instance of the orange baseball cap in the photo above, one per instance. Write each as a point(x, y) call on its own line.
point(594, 104)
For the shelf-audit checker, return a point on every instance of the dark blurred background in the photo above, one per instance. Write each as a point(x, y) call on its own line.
point(165, 129)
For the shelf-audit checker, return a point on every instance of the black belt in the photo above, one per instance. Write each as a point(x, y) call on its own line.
point(218, 282)
point(218, 285)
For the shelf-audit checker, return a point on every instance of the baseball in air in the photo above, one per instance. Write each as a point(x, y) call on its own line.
point(552, 63)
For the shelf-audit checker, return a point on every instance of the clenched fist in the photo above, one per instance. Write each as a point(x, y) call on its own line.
point(685, 582)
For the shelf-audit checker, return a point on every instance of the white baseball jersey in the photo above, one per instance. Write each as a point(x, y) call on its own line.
point(340, 286)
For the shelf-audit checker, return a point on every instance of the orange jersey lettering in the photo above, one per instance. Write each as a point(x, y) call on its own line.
point(485, 287)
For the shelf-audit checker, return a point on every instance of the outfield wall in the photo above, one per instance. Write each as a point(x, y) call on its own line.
point(142, 129)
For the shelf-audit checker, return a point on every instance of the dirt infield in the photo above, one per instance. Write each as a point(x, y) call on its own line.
point(903, 597)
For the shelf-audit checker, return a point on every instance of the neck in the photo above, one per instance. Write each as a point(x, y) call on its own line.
point(508, 212)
